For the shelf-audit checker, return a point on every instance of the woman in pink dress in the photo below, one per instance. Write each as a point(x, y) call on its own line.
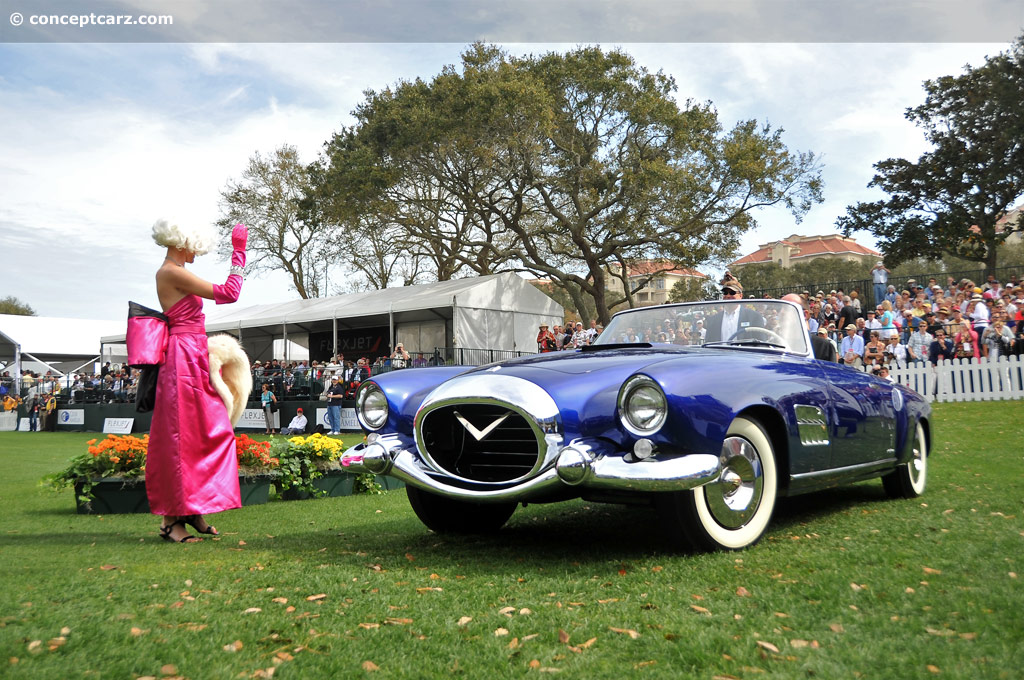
point(191, 466)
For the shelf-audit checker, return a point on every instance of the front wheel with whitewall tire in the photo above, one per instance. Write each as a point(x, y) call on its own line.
point(732, 512)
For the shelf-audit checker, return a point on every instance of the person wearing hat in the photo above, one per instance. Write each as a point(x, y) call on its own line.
point(335, 395)
point(546, 339)
point(824, 347)
point(851, 348)
point(979, 313)
point(880, 278)
point(298, 424)
point(733, 318)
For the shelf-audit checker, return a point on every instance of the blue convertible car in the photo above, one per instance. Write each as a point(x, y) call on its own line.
point(710, 433)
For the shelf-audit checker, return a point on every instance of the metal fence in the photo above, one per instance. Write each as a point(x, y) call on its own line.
point(865, 286)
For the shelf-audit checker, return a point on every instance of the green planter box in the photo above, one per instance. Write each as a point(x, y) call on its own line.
point(255, 490)
point(331, 483)
point(113, 495)
point(390, 483)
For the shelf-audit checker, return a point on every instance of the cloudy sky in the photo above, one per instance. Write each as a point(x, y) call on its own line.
point(100, 139)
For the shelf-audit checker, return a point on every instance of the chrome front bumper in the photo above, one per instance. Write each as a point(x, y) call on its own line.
point(586, 465)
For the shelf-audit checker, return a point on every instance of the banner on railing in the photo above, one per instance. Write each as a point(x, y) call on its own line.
point(348, 419)
point(252, 418)
point(71, 416)
point(118, 425)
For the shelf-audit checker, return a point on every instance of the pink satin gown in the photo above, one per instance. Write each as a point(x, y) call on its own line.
point(191, 467)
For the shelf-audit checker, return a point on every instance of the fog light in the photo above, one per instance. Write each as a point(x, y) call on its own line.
point(372, 437)
point(643, 448)
point(573, 465)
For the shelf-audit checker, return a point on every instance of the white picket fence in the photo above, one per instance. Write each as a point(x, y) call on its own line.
point(965, 379)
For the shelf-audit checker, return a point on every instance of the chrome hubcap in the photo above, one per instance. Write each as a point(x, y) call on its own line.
point(734, 497)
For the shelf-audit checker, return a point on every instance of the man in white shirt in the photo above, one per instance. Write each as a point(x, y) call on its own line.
point(851, 349)
point(298, 424)
point(919, 343)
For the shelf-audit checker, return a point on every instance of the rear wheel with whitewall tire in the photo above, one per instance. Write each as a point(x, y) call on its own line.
point(910, 478)
point(732, 512)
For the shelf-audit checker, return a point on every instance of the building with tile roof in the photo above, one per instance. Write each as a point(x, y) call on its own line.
point(795, 249)
point(652, 279)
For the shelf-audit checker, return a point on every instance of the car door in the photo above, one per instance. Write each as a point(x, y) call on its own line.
point(863, 425)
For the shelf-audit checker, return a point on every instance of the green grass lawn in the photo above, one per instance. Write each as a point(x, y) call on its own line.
point(846, 584)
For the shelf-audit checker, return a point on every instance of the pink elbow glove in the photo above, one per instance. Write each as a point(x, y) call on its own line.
point(232, 288)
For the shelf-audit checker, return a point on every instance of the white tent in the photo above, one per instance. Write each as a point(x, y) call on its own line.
point(496, 312)
point(51, 343)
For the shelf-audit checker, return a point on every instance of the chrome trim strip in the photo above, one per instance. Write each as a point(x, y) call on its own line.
point(812, 425)
point(579, 464)
point(848, 470)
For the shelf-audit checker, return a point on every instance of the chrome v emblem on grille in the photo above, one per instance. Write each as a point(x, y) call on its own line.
point(479, 434)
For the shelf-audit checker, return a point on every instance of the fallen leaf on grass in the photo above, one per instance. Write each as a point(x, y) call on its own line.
point(837, 627)
point(284, 656)
point(640, 665)
point(233, 646)
point(108, 567)
point(370, 666)
point(563, 637)
point(940, 632)
point(534, 663)
point(742, 592)
point(55, 643)
point(800, 644)
point(525, 612)
point(369, 626)
point(430, 590)
point(138, 631)
point(700, 610)
point(530, 637)
point(168, 669)
point(929, 570)
point(857, 587)
point(252, 610)
point(633, 635)
point(395, 621)
point(767, 645)
point(464, 620)
point(280, 600)
point(500, 632)
point(724, 677)
point(586, 645)
point(507, 611)
point(933, 668)
point(317, 597)
point(35, 646)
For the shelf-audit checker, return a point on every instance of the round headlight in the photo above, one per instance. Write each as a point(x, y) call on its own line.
point(643, 408)
point(372, 407)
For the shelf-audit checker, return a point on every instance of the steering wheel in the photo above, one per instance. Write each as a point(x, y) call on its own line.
point(758, 333)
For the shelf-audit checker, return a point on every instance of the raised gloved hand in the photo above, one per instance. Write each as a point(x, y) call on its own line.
point(232, 288)
point(239, 236)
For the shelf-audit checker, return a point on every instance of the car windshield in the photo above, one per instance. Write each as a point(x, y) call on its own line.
point(771, 324)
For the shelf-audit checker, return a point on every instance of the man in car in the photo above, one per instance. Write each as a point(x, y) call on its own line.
point(734, 318)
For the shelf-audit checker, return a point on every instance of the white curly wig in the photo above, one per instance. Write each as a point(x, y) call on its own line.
point(169, 234)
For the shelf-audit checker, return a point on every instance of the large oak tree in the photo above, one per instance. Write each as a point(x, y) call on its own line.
point(570, 166)
point(950, 200)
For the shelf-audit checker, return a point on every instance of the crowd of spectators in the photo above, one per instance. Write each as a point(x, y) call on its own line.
point(923, 323)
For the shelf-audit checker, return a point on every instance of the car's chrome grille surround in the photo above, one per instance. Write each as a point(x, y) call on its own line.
point(489, 429)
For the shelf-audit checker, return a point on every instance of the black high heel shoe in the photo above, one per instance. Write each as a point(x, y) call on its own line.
point(192, 520)
point(165, 533)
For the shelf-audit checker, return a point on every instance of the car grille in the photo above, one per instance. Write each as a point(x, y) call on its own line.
point(503, 452)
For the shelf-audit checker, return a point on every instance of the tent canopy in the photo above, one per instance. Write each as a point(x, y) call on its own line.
point(448, 301)
point(58, 342)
